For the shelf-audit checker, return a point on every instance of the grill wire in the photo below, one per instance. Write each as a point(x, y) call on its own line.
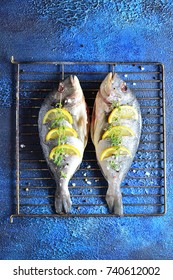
point(144, 188)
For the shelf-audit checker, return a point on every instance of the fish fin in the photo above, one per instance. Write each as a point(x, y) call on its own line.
point(114, 201)
point(62, 203)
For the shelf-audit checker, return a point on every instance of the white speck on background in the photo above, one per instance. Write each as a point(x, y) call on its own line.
point(88, 182)
point(22, 146)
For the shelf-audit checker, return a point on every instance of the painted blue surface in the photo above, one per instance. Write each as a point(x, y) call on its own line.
point(82, 31)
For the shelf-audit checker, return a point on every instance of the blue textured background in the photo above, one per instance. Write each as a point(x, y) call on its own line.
point(135, 30)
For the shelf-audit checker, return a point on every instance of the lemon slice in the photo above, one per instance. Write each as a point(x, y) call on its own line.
point(119, 130)
point(55, 113)
point(59, 131)
point(123, 112)
point(115, 150)
point(64, 149)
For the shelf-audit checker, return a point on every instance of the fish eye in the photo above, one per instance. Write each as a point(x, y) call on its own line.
point(61, 87)
point(123, 87)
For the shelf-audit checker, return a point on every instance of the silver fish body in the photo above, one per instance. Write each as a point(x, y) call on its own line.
point(112, 90)
point(71, 96)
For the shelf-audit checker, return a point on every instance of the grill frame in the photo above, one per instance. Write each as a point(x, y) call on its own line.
point(111, 66)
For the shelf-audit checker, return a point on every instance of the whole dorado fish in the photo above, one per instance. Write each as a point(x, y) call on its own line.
point(115, 132)
point(63, 129)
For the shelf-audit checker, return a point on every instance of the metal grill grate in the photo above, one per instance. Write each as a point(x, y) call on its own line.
point(144, 188)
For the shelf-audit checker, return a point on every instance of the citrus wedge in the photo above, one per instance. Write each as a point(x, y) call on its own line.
point(119, 130)
point(115, 150)
point(123, 112)
point(65, 149)
point(59, 131)
point(56, 113)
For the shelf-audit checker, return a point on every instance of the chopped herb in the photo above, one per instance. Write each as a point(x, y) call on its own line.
point(116, 104)
point(116, 140)
point(110, 126)
point(59, 141)
point(115, 121)
point(113, 165)
point(58, 157)
point(63, 175)
point(58, 105)
point(56, 122)
point(63, 139)
point(59, 115)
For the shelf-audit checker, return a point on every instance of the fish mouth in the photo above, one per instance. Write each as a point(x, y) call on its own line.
point(77, 91)
point(108, 83)
point(74, 80)
point(111, 77)
point(110, 90)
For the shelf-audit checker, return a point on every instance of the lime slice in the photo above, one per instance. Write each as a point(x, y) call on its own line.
point(64, 149)
point(56, 113)
point(115, 150)
point(123, 112)
point(119, 130)
point(61, 131)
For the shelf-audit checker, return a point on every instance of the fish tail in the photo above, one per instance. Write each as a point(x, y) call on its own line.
point(114, 199)
point(62, 200)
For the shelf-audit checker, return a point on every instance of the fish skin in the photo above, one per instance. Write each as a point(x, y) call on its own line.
point(73, 100)
point(114, 89)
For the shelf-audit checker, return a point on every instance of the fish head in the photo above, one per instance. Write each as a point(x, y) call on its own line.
point(113, 89)
point(70, 88)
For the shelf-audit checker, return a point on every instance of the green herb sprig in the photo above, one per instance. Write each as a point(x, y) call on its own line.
point(63, 174)
point(116, 104)
point(116, 140)
point(58, 157)
point(58, 104)
point(56, 122)
point(113, 165)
